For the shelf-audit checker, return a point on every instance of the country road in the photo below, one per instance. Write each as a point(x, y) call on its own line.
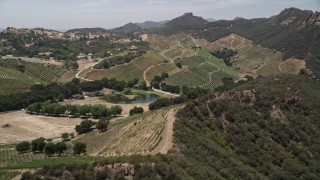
point(91, 66)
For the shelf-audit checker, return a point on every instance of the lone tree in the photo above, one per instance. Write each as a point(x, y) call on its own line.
point(60, 148)
point(79, 148)
point(103, 124)
point(38, 145)
point(23, 146)
point(115, 110)
point(136, 110)
point(49, 149)
point(65, 136)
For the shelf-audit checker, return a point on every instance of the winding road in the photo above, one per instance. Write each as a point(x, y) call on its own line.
point(91, 66)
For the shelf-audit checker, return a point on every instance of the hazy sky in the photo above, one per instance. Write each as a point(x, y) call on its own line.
point(66, 14)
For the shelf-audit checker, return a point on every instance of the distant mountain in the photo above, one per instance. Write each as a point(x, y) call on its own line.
point(188, 20)
point(211, 19)
point(294, 32)
point(151, 24)
point(2, 29)
point(87, 30)
point(130, 27)
point(290, 15)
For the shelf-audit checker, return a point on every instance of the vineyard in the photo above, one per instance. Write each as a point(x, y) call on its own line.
point(208, 67)
point(158, 70)
point(217, 63)
point(13, 81)
point(292, 66)
point(138, 134)
point(216, 80)
point(173, 53)
point(125, 72)
point(147, 60)
point(68, 76)
point(191, 61)
point(9, 156)
point(186, 78)
point(42, 72)
point(8, 174)
point(269, 69)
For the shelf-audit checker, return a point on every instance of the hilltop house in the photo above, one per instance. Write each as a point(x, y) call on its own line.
point(133, 48)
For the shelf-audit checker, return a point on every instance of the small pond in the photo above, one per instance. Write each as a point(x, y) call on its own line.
point(121, 99)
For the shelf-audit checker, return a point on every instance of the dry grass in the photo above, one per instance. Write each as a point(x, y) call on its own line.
point(23, 126)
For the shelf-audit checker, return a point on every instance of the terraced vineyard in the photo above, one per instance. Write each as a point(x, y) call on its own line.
point(68, 76)
point(9, 156)
point(125, 72)
point(216, 80)
point(141, 138)
point(147, 60)
point(219, 64)
point(199, 73)
point(173, 53)
point(269, 69)
point(6, 73)
point(138, 134)
point(158, 70)
point(191, 61)
point(185, 78)
point(208, 67)
point(8, 174)
point(13, 81)
point(40, 71)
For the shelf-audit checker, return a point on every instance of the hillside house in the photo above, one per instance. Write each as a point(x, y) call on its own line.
point(133, 48)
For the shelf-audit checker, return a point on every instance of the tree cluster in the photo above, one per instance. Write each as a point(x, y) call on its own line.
point(56, 109)
point(57, 92)
point(187, 94)
point(58, 148)
point(119, 60)
point(225, 54)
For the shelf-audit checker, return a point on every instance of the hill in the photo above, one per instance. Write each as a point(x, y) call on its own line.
point(211, 19)
point(185, 22)
point(87, 30)
point(302, 42)
point(151, 24)
point(130, 27)
point(252, 132)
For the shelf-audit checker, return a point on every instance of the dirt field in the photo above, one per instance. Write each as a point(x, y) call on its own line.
point(28, 127)
point(83, 64)
point(95, 100)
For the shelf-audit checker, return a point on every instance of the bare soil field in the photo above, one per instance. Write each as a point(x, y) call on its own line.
point(23, 126)
point(95, 100)
point(83, 64)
